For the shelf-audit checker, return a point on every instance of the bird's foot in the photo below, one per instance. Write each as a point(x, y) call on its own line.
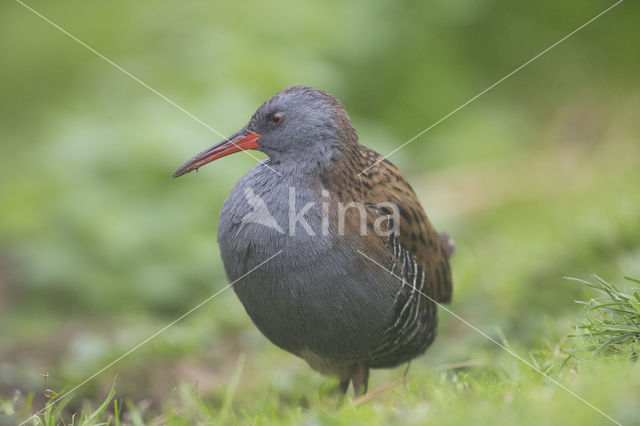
point(359, 376)
point(360, 379)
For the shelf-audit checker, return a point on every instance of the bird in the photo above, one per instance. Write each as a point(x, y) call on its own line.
point(360, 269)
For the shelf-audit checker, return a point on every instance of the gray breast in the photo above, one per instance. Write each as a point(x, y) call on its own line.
point(319, 294)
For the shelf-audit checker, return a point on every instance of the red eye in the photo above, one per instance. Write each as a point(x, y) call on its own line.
point(276, 118)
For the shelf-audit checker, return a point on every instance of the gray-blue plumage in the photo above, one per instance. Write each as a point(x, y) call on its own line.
point(326, 297)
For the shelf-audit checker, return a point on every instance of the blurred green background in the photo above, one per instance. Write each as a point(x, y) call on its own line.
point(99, 248)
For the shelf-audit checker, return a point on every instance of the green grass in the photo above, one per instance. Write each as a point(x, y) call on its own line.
point(497, 388)
point(612, 323)
point(502, 394)
point(54, 414)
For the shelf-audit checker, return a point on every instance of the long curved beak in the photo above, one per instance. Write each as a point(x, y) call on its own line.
point(240, 141)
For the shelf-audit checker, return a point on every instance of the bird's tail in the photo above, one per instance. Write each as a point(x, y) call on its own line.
point(448, 244)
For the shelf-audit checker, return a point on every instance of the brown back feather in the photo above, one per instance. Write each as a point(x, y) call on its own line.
point(384, 183)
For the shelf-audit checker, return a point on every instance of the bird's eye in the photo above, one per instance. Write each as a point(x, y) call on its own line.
point(276, 118)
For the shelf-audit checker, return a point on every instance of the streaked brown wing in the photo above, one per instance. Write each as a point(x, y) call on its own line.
point(416, 240)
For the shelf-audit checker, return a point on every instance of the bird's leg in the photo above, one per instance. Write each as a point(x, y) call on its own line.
point(360, 379)
point(406, 370)
point(344, 385)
